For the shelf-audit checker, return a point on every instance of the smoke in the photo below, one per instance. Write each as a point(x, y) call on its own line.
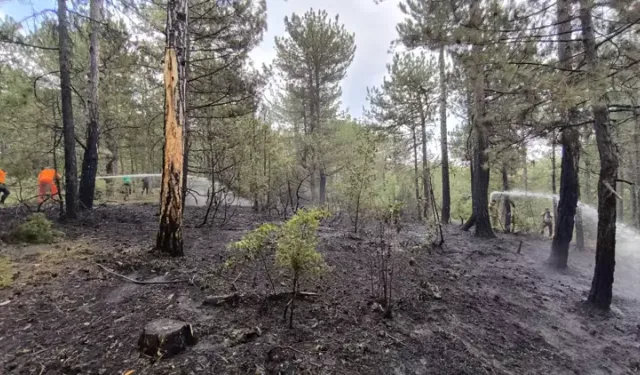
point(627, 238)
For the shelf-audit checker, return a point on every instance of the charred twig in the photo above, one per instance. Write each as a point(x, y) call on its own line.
point(140, 282)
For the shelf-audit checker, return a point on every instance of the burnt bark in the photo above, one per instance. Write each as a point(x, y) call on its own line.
point(169, 238)
point(554, 189)
point(416, 177)
point(636, 187)
point(70, 172)
point(479, 159)
point(425, 163)
point(187, 130)
point(601, 291)
point(570, 139)
point(90, 159)
point(446, 189)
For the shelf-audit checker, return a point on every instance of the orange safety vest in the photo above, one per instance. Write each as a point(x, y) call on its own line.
point(3, 176)
point(47, 176)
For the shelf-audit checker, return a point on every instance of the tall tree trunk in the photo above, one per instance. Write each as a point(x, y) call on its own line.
point(554, 190)
point(426, 188)
point(323, 176)
point(480, 160)
point(416, 175)
point(506, 203)
point(169, 239)
point(602, 284)
point(90, 160)
point(446, 189)
point(636, 187)
point(187, 128)
point(70, 172)
point(569, 185)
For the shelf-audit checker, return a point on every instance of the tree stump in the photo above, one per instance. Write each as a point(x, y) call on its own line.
point(166, 337)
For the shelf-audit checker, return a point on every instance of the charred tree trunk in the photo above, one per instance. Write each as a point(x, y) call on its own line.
point(506, 203)
point(416, 177)
point(70, 172)
point(425, 164)
point(187, 129)
point(90, 160)
point(554, 190)
point(446, 190)
point(602, 284)
point(636, 187)
point(569, 185)
point(479, 159)
point(169, 239)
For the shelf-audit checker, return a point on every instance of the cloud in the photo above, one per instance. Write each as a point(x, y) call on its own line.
point(374, 28)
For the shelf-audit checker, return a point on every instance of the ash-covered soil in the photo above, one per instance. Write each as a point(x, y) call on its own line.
point(472, 307)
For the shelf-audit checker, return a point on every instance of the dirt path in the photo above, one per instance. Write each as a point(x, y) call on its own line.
point(474, 307)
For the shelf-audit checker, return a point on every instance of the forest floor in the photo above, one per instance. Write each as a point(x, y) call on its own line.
point(472, 307)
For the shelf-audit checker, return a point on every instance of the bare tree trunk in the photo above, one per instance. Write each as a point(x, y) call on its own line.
point(90, 160)
point(425, 165)
point(636, 187)
point(416, 175)
point(602, 284)
point(70, 172)
point(554, 189)
point(479, 161)
point(187, 129)
point(446, 189)
point(169, 239)
point(569, 183)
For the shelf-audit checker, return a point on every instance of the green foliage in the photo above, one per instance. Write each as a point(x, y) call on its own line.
point(37, 229)
point(251, 245)
point(297, 241)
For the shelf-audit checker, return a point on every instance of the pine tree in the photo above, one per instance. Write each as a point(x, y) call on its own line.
point(314, 58)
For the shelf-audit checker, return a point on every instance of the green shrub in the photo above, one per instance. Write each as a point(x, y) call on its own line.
point(295, 250)
point(37, 229)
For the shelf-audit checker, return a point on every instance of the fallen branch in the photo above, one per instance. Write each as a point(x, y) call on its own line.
point(141, 282)
point(279, 296)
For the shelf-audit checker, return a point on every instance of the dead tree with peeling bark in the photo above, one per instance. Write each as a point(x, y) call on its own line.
point(169, 238)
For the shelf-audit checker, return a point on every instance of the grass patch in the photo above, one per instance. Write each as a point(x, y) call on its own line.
point(6, 272)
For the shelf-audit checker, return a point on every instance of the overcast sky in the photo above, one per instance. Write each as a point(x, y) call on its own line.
point(374, 28)
point(373, 25)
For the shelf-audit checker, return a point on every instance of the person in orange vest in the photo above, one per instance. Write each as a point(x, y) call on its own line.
point(3, 188)
point(47, 183)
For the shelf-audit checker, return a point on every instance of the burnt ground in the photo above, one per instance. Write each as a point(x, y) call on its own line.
point(472, 307)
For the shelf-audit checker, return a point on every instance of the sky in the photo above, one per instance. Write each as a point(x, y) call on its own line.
point(373, 25)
